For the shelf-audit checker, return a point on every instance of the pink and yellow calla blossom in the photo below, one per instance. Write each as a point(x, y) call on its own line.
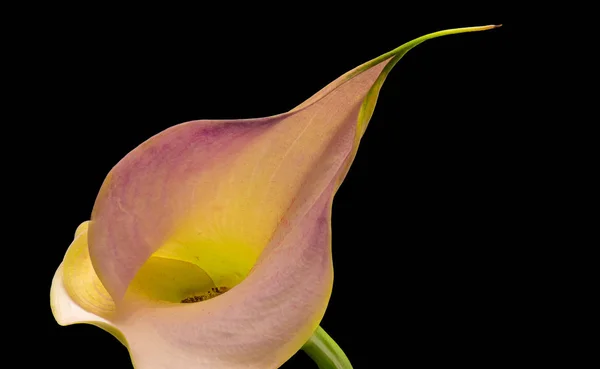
point(209, 245)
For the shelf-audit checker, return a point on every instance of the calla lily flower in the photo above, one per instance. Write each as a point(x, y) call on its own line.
point(209, 245)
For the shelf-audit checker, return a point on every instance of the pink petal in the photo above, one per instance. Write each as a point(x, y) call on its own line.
point(222, 179)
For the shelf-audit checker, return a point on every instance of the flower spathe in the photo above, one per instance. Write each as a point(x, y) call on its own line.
point(231, 215)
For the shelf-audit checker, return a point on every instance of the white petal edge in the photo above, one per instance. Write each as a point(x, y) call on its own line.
point(67, 312)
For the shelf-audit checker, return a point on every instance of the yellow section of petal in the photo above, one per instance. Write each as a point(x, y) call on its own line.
point(222, 263)
point(167, 280)
point(80, 279)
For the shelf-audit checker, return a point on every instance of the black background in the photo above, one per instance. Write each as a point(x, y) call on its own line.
point(426, 254)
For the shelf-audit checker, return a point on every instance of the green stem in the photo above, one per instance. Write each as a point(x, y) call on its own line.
point(325, 352)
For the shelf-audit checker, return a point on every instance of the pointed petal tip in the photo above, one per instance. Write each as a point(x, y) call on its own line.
point(479, 28)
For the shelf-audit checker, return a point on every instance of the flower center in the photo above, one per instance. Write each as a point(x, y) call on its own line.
point(213, 292)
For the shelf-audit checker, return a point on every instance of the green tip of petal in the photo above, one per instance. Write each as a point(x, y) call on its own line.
point(401, 50)
point(395, 55)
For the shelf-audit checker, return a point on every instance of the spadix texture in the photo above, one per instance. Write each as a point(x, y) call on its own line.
point(234, 214)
